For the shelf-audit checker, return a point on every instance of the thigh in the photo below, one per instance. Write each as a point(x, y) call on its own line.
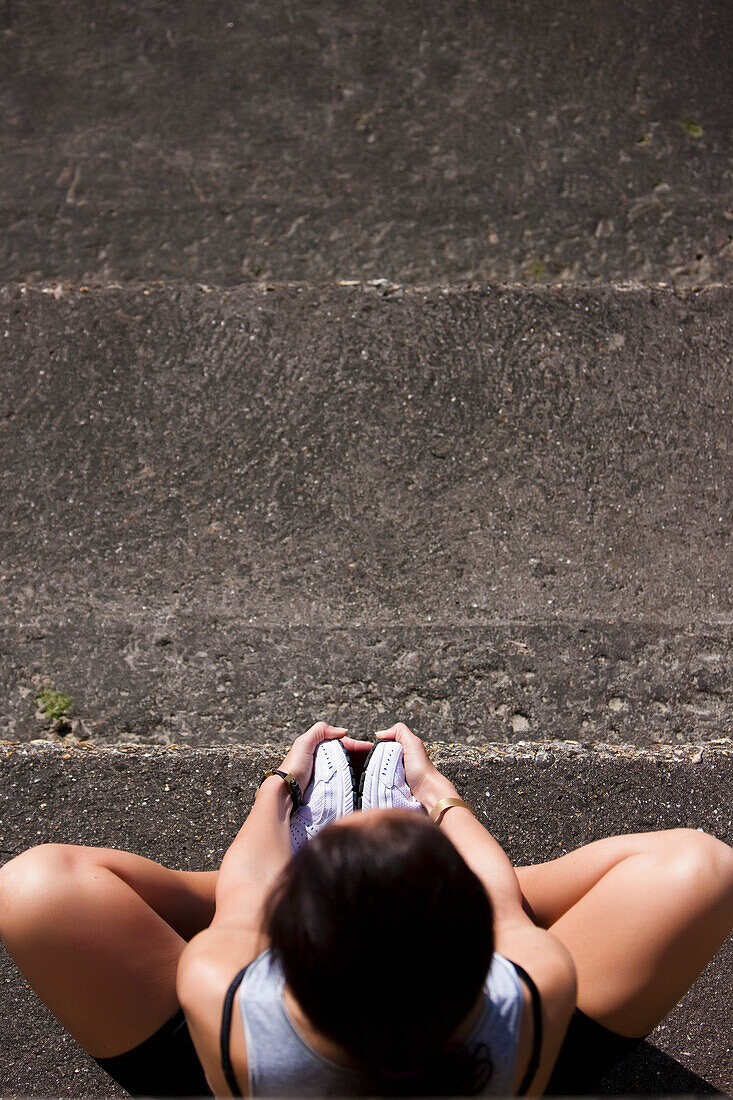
point(554, 887)
point(184, 899)
point(642, 933)
point(101, 955)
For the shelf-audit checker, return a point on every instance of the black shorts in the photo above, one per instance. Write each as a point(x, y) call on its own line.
point(589, 1051)
point(166, 1064)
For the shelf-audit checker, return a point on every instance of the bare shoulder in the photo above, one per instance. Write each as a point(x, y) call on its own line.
point(206, 969)
point(550, 965)
point(544, 957)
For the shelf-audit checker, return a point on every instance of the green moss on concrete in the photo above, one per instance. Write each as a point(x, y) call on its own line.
point(54, 704)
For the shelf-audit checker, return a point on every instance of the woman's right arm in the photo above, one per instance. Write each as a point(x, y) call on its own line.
point(516, 937)
point(482, 853)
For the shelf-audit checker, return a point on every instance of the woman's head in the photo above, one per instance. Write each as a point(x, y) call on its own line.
point(384, 934)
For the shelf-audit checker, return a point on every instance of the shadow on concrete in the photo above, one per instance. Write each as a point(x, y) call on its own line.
point(651, 1072)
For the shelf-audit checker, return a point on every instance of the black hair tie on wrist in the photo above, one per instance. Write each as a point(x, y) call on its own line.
point(293, 785)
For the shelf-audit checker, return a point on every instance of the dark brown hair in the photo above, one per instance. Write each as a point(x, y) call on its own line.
point(385, 937)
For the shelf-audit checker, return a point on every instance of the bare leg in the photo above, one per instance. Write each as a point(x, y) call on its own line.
point(641, 915)
point(98, 933)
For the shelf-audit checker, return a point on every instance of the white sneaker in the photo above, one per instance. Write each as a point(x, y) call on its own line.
point(329, 795)
point(383, 784)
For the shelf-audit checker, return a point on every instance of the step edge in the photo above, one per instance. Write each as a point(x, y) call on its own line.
point(542, 751)
point(383, 287)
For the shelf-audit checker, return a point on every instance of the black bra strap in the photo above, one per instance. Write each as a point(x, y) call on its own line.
point(226, 1026)
point(537, 1037)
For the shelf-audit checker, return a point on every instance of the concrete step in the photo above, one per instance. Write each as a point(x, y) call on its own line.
point(183, 807)
point(512, 142)
point(209, 679)
point(494, 513)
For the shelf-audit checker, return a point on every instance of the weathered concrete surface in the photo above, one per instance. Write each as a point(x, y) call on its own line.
point(508, 141)
point(493, 513)
point(208, 679)
point(184, 807)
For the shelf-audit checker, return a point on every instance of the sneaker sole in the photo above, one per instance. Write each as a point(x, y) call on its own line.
point(336, 755)
point(351, 785)
point(381, 769)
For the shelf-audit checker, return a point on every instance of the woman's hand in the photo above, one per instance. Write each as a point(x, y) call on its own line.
point(299, 760)
point(427, 784)
point(357, 752)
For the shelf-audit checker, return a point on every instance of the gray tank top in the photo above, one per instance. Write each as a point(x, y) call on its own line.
point(282, 1064)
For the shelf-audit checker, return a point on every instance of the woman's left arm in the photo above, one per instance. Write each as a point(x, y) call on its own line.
point(257, 855)
point(262, 847)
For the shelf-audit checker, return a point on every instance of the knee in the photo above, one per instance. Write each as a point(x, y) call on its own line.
point(698, 858)
point(31, 880)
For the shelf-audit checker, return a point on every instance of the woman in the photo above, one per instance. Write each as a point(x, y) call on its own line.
point(149, 968)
